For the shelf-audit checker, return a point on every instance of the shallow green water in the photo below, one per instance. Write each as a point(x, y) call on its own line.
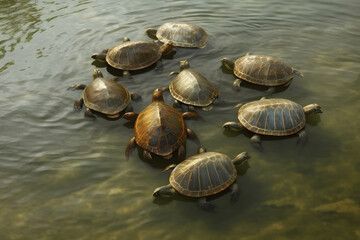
point(62, 177)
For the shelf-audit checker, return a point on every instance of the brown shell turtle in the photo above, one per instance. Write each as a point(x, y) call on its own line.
point(104, 96)
point(273, 117)
point(133, 55)
point(180, 34)
point(261, 70)
point(203, 175)
point(160, 129)
point(191, 88)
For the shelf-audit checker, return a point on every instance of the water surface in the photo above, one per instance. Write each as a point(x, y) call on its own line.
point(63, 177)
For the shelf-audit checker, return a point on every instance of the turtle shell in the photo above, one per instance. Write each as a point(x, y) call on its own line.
point(192, 88)
point(276, 117)
point(182, 34)
point(106, 96)
point(203, 174)
point(160, 129)
point(263, 70)
point(133, 55)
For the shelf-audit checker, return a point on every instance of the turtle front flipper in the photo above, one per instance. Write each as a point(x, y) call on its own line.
point(192, 136)
point(256, 142)
point(89, 115)
point(270, 90)
point(135, 96)
point(131, 116)
point(205, 205)
point(147, 156)
point(302, 140)
point(237, 84)
point(158, 66)
point(191, 115)
point(78, 104)
point(207, 108)
point(151, 32)
point(177, 104)
point(181, 153)
point(235, 193)
point(130, 147)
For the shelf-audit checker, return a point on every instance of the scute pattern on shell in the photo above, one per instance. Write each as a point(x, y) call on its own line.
point(106, 96)
point(276, 117)
point(191, 88)
point(203, 174)
point(160, 129)
point(133, 55)
point(263, 70)
point(182, 34)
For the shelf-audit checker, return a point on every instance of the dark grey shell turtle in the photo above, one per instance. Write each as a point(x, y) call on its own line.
point(192, 88)
point(203, 174)
point(275, 117)
point(106, 96)
point(263, 70)
point(182, 34)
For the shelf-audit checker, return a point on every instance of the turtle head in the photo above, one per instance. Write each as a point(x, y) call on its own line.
point(164, 191)
point(151, 32)
point(312, 108)
point(240, 158)
point(126, 39)
point(101, 56)
point(201, 150)
point(97, 73)
point(227, 63)
point(184, 64)
point(167, 48)
point(157, 95)
point(233, 126)
point(298, 72)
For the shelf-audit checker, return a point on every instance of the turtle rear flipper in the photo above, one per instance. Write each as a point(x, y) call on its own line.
point(205, 205)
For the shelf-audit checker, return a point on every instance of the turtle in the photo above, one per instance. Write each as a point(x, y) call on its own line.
point(133, 55)
point(203, 175)
point(273, 117)
point(104, 96)
point(261, 70)
point(160, 129)
point(191, 88)
point(180, 34)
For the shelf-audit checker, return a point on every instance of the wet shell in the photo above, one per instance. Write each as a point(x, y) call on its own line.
point(133, 55)
point(203, 174)
point(182, 34)
point(160, 129)
point(106, 96)
point(263, 70)
point(192, 88)
point(276, 117)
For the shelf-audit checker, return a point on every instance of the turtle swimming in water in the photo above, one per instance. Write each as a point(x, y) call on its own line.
point(203, 175)
point(160, 129)
point(181, 34)
point(273, 117)
point(104, 96)
point(261, 70)
point(135, 55)
point(191, 88)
